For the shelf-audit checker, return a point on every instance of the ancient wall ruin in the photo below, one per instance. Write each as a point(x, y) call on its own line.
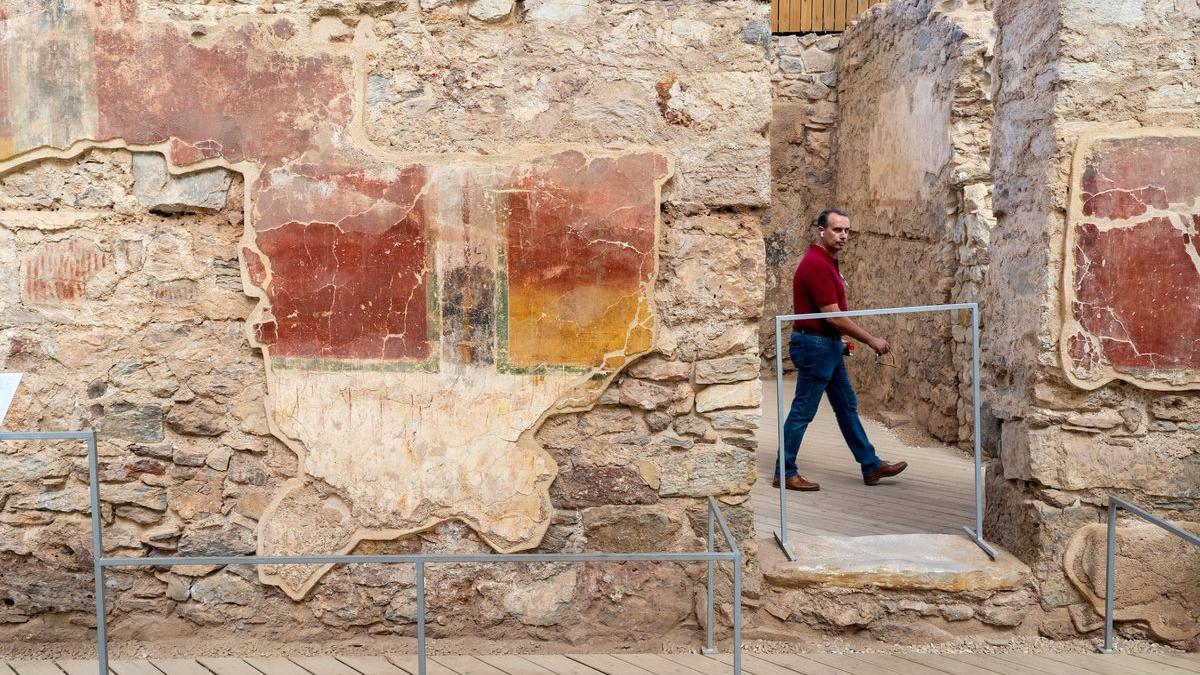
point(379, 276)
point(1092, 358)
point(912, 170)
point(804, 79)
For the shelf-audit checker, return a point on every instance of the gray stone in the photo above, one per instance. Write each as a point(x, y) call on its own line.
point(161, 451)
point(224, 588)
point(657, 421)
point(154, 187)
point(189, 456)
point(223, 538)
point(727, 370)
point(132, 422)
point(705, 470)
point(491, 11)
point(757, 32)
point(817, 60)
point(199, 418)
point(20, 468)
point(247, 469)
point(734, 419)
point(1176, 408)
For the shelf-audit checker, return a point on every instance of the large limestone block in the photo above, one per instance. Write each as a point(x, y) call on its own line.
point(1157, 580)
point(914, 562)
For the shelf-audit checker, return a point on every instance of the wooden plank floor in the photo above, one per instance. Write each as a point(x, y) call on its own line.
point(935, 495)
point(642, 664)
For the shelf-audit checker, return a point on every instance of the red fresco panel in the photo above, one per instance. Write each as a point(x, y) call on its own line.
point(1134, 264)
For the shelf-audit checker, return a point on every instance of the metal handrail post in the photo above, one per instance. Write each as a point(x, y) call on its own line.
point(1110, 566)
point(97, 554)
point(781, 534)
point(1110, 555)
point(712, 535)
point(88, 435)
point(737, 614)
point(420, 617)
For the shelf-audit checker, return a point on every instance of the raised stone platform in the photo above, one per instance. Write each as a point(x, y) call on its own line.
point(915, 562)
point(904, 589)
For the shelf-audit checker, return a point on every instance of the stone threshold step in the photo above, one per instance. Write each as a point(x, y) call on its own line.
point(908, 562)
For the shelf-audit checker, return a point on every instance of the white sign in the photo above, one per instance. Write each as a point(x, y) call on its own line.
point(8, 388)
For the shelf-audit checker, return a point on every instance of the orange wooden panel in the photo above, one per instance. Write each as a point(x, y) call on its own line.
point(830, 22)
point(803, 21)
point(818, 15)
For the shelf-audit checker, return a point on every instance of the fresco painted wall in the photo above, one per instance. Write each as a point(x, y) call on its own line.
point(418, 317)
point(1132, 267)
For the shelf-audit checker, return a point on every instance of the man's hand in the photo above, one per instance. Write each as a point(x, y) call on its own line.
point(880, 345)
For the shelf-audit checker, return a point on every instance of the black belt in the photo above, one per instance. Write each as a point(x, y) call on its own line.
point(809, 331)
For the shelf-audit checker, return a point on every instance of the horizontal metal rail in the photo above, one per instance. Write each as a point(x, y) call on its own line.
point(1110, 555)
point(100, 562)
point(976, 534)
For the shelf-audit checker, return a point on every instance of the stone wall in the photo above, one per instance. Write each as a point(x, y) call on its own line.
point(805, 81)
point(912, 171)
point(1092, 361)
point(504, 261)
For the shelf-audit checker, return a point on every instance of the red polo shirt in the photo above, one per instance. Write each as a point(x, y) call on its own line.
point(817, 283)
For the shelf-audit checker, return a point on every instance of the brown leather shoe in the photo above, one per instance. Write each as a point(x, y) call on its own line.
point(797, 483)
point(885, 470)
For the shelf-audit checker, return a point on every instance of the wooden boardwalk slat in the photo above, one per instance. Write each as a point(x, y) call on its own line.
point(1033, 663)
point(469, 665)
point(81, 666)
point(23, 667)
point(608, 664)
point(658, 664)
point(946, 665)
point(1184, 662)
point(703, 664)
point(886, 663)
point(408, 663)
point(177, 667)
point(514, 665)
point(992, 663)
point(129, 667)
point(372, 665)
point(275, 666)
point(800, 663)
point(321, 665)
point(228, 666)
point(560, 665)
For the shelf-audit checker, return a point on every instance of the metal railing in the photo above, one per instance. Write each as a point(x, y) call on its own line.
point(975, 535)
point(1110, 555)
point(716, 518)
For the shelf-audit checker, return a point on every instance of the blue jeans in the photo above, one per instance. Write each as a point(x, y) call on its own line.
point(820, 369)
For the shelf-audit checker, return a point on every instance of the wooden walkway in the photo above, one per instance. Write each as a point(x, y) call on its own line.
point(640, 664)
point(934, 495)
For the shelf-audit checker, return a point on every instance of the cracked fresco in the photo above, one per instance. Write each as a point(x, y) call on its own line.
point(1132, 266)
point(418, 316)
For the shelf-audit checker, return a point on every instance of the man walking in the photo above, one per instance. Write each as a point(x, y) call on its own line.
point(816, 349)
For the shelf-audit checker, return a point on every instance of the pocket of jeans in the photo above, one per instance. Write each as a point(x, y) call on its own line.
point(803, 353)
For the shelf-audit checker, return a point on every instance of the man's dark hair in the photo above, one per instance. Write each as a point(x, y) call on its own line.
point(823, 219)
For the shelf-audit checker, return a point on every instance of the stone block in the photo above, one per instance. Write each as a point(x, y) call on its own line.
point(1176, 407)
point(584, 487)
point(198, 192)
point(911, 562)
point(660, 369)
point(720, 396)
point(629, 529)
point(728, 370)
point(142, 423)
point(645, 395)
point(705, 470)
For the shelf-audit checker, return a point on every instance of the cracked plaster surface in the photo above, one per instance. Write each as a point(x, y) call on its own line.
point(418, 315)
point(1131, 276)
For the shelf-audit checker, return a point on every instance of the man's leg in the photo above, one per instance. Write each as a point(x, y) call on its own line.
point(845, 406)
point(812, 378)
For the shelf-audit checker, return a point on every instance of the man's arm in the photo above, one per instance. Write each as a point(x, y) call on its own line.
point(846, 326)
